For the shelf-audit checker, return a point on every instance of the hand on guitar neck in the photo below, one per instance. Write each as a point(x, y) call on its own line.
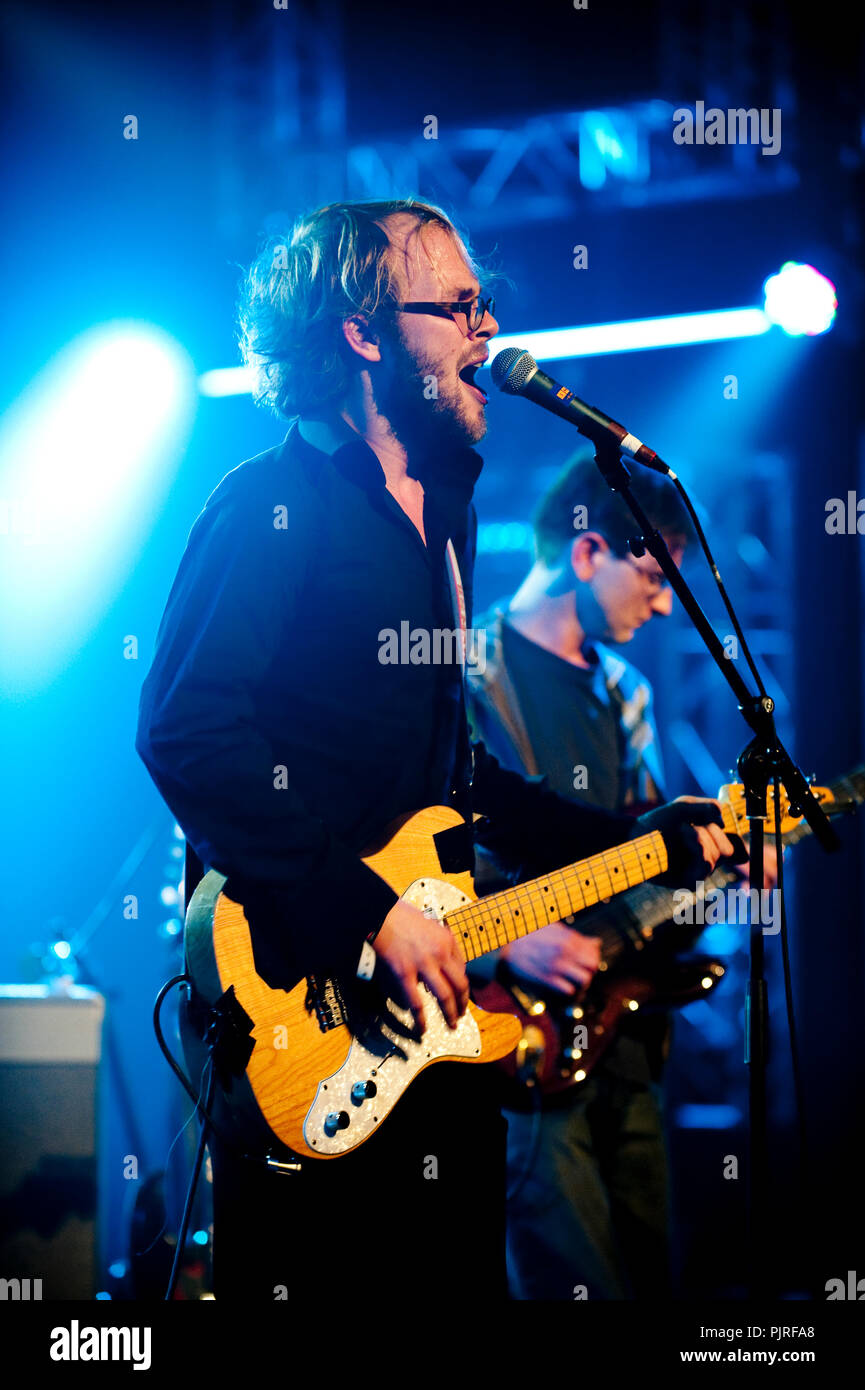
point(692, 830)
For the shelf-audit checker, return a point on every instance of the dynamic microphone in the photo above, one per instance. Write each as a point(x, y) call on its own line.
point(516, 372)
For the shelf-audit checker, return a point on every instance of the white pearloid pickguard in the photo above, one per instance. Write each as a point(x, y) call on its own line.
point(391, 1074)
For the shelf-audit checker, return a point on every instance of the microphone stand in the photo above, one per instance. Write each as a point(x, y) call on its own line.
point(763, 760)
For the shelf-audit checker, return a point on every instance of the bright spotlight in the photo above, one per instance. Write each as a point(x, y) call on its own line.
point(86, 454)
point(800, 300)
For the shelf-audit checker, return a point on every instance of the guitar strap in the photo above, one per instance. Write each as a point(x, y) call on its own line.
point(499, 689)
point(465, 758)
point(458, 600)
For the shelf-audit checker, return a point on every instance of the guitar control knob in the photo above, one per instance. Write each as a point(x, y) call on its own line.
point(335, 1121)
point(363, 1090)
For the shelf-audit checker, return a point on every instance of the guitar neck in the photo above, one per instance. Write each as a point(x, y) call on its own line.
point(643, 911)
point(652, 906)
point(495, 921)
point(847, 792)
point(851, 787)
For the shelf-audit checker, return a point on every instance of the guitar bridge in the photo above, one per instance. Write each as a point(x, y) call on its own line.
point(324, 997)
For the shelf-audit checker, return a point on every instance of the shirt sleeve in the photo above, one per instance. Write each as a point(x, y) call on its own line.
point(238, 590)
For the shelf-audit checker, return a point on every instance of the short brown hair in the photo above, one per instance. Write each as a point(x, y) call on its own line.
point(332, 263)
point(581, 484)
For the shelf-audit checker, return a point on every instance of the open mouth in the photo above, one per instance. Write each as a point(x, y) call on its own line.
point(467, 377)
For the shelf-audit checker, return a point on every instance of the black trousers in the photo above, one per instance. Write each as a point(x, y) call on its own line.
point(414, 1213)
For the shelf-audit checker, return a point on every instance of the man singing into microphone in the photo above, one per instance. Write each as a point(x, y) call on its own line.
point(285, 746)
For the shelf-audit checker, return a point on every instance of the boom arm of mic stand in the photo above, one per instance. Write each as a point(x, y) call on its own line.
point(756, 710)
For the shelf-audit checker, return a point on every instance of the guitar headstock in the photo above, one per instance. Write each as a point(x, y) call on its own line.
point(735, 813)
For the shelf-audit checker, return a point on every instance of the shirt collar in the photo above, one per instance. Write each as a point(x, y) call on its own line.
point(457, 471)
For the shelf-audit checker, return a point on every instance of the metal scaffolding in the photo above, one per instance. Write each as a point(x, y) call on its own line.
point(281, 140)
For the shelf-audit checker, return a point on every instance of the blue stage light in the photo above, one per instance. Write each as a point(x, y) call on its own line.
point(800, 300)
point(227, 381)
point(86, 454)
point(635, 335)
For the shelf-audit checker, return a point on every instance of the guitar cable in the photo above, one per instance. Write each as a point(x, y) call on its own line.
point(138, 1254)
point(180, 1246)
point(201, 1107)
point(716, 575)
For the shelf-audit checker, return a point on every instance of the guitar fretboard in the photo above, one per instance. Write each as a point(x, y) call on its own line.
point(503, 917)
point(651, 906)
point(849, 791)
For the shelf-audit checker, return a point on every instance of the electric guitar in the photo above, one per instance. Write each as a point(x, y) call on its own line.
point(315, 1071)
point(563, 1036)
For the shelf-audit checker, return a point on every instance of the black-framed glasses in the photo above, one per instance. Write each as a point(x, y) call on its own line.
point(475, 310)
point(656, 579)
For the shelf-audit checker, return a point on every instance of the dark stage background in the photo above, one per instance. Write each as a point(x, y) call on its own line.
point(247, 114)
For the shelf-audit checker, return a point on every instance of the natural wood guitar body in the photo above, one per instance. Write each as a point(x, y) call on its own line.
point(292, 1056)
